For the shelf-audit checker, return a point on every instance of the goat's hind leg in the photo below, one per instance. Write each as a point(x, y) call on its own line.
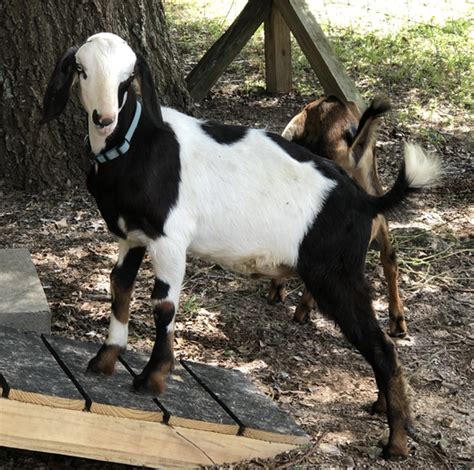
point(276, 292)
point(122, 279)
point(397, 326)
point(347, 301)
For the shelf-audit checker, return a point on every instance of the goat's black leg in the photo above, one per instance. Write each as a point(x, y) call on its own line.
point(346, 300)
point(122, 279)
point(169, 262)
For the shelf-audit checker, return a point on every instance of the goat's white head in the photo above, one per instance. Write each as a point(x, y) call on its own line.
point(104, 68)
point(105, 65)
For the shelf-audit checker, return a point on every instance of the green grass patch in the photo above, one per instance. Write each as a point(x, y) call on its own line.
point(423, 66)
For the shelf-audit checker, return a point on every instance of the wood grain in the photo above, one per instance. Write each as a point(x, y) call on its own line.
point(30, 373)
point(318, 50)
point(277, 53)
point(84, 434)
point(225, 49)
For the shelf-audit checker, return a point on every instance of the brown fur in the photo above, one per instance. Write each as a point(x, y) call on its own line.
point(325, 127)
point(153, 376)
point(121, 297)
point(105, 359)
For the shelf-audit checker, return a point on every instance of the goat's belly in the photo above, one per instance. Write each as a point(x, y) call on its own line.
point(259, 265)
point(248, 252)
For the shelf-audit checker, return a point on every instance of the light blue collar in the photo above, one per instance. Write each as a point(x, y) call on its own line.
point(124, 147)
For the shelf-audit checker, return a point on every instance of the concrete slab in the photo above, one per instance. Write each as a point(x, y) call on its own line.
point(23, 304)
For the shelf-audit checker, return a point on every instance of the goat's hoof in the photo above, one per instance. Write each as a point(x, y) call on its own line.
point(398, 328)
point(301, 316)
point(154, 383)
point(379, 407)
point(104, 361)
point(395, 452)
point(277, 296)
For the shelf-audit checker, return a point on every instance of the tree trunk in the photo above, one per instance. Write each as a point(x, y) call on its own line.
point(33, 36)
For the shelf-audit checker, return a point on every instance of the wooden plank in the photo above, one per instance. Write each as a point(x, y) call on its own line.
point(259, 417)
point(185, 402)
point(226, 448)
point(93, 436)
point(29, 372)
point(277, 53)
point(225, 49)
point(107, 395)
point(319, 52)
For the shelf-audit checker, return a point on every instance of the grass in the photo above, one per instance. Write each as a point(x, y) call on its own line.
point(429, 67)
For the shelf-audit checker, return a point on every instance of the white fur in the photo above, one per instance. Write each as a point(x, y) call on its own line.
point(422, 168)
point(118, 333)
point(273, 199)
point(107, 60)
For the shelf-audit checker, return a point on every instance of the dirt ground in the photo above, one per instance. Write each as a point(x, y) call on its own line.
point(309, 370)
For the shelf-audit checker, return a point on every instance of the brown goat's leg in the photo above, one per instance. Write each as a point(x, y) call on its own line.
point(276, 292)
point(122, 279)
point(303, 309)
point(347, 301)
point(397, 326)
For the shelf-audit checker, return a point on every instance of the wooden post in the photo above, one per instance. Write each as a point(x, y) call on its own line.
point(221, 54)
point(317, 49)
point(277, 53)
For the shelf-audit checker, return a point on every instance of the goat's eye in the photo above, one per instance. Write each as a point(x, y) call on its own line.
point(81, 71)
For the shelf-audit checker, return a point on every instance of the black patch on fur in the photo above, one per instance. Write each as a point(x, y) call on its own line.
point(292, 148)
point(350, 134)
point(141, 186)
point(124, 275)
point(59, 85)
point(160, 289)
point(224, 133)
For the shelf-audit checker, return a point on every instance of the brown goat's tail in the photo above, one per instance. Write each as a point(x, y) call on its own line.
point(364, 139)
point(419, 169)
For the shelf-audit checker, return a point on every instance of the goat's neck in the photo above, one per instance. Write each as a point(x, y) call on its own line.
point(99, 143)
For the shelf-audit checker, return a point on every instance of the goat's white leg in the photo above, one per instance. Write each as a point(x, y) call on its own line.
point(169, 261)
point(122, 279)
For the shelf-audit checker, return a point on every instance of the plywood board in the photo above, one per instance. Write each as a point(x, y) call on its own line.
point(185, 401)
point(30, 373)
point(259, 416)
point(109, 395)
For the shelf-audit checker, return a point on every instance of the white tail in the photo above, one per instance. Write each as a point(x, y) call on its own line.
point(421, 168)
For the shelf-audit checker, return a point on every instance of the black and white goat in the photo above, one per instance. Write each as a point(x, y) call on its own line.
point(244, 198)
point(336, 130)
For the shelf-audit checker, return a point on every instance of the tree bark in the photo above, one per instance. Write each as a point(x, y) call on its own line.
point(33, 36)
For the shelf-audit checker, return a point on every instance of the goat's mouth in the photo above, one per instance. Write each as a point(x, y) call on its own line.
point(105, 130)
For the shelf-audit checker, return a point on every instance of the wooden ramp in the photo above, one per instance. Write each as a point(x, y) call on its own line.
point(208, 415)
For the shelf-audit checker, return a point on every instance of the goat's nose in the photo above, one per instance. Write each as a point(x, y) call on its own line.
point(101, 121)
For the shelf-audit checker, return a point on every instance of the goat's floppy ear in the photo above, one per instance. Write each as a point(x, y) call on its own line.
point(147, 90)
point(59, 86)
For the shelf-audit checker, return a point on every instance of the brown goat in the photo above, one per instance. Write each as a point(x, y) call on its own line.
point(336, 130)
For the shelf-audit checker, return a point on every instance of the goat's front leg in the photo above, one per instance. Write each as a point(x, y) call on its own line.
point(169, 261)
point(122, 279)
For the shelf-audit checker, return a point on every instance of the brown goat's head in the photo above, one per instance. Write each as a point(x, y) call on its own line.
point(336, 130)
